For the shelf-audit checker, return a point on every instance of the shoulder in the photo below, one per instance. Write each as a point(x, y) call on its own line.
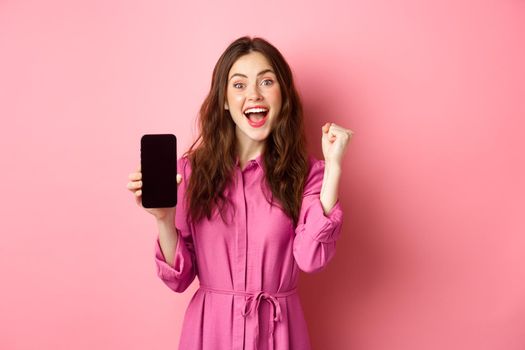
point(184, 166)
point(315, 166)
point(315, 175)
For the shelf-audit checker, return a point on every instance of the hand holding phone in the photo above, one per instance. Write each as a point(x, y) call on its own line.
point(135, 186)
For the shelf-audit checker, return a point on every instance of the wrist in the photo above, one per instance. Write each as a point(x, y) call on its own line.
point(164, 214)
point(332, 167)
point(166, 219)
point(167, 227)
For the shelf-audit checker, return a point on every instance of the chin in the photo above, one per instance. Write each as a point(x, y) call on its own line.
point(260, 136)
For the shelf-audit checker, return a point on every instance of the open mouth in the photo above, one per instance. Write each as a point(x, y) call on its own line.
point(256, 116)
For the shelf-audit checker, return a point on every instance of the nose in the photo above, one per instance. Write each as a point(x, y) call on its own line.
point(253, 93)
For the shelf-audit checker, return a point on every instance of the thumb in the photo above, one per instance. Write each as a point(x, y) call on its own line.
point(326, 127)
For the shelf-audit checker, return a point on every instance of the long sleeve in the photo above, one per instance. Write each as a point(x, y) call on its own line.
point(179, 274)
point(316, 233)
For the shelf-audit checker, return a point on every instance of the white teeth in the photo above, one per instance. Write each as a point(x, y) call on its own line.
point(255, 110)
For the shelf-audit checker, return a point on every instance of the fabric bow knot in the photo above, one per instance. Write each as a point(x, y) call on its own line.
point(252, 307)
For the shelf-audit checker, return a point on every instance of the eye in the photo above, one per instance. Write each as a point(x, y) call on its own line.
point(237, 85)
point(267, 82)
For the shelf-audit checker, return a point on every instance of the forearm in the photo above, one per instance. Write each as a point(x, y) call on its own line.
point(330, 186)
point(168, 237)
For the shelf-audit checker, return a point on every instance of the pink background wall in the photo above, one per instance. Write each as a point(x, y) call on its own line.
point(433, 250)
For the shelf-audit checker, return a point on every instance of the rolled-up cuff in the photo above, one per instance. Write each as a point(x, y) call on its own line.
point(180, 265)
point(324, 228)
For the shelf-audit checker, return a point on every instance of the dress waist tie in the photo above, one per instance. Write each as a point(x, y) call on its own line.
point(251, 306)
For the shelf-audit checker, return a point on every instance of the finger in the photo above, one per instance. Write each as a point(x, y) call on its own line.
point(179, 179)
point(333, 131)
point(135, 176)
point(326, 127)
point(337, 127)
point(138, 193)
point(347, 131)
point(133, 185)
point(339, 131)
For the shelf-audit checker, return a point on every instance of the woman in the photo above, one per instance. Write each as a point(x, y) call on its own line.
point(253, 208)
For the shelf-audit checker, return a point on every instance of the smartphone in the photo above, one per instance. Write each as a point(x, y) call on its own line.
point(158, 161)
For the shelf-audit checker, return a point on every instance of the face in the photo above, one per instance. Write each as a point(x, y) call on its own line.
point(253, 98)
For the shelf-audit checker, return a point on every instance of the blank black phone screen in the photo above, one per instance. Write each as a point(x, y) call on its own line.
point(158, 161)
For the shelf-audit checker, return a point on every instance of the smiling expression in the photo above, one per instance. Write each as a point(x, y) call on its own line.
point(253, 97)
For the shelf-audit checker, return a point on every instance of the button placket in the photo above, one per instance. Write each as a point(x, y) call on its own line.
point(240, 261)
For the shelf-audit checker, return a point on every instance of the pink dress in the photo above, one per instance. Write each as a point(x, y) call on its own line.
point(248, 269)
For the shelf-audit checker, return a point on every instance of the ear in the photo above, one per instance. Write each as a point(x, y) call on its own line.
point(226, 105)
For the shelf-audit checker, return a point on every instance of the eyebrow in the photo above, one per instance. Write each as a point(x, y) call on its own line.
point(260, 73)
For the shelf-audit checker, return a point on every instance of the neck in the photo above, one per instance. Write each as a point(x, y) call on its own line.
point(248, 149)
point(248, 153)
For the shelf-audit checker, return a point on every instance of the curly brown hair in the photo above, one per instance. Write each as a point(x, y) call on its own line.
point(213, 154)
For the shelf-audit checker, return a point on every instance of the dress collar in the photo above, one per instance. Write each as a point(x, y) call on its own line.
point(258, 160)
